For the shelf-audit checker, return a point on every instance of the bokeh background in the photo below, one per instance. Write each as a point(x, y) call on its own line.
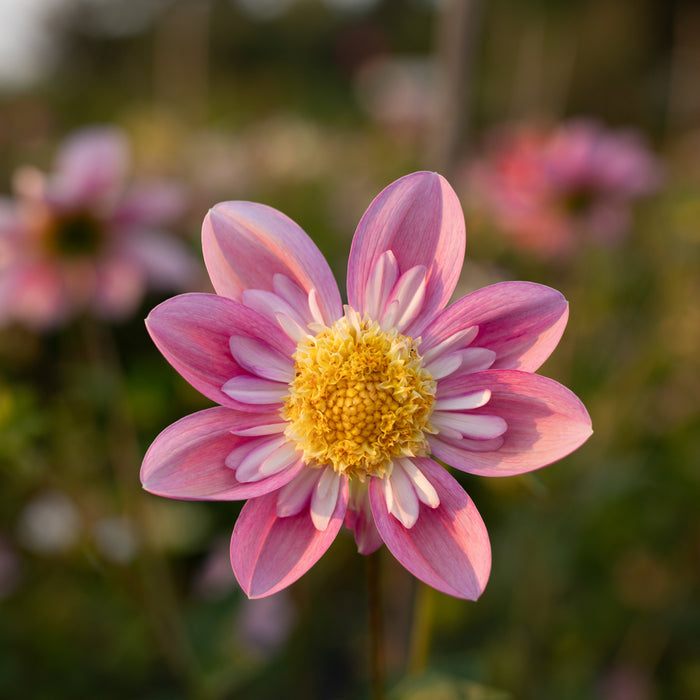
point(313, 106)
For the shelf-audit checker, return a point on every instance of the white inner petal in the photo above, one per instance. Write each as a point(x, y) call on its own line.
point(261, 359)
point(324, 498)
point(314, 308)
point(409, 291)
point(294, 496)
point(247, 459)
point(255, 390)
point(292, 328)
point(475, 399)
point(467, 444)
point(401, 499)
point(477, 359)
point(268, 429)
point(290, 291)
point(463, 338)
point(423, 488)
point(381, 281)
point(284, 456)
point(470, 425)
point(444, 365)
point(269, 304)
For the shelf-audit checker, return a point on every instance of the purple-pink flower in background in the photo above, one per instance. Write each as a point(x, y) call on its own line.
point(83, 239)
point(552, 189)
point(332, 414)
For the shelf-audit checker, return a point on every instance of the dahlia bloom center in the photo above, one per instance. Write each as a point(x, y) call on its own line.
point(360, 398)
point(75, 234)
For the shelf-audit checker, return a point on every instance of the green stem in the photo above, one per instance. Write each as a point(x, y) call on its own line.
point(422, 632)
point(376, 626)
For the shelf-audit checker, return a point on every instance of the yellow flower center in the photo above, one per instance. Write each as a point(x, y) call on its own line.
point(360, 398)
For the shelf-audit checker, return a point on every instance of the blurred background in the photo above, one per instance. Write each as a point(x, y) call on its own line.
point(570, 129)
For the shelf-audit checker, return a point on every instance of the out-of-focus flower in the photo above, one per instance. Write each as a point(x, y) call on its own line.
point(551, 189)
point(116, 539)
point(82, 238)
point(399, 93)
point(332, 413)
point(49, 523)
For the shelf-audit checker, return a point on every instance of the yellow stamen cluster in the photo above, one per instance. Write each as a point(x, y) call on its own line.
point(360, 398)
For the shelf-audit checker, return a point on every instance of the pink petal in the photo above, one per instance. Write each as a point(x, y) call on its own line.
point(246, 244)
point(448, 546)
point(420, 220)
point(545, 421)
point(260, 359)
point(165, 260)
point(154, 203)
point(268, 553)
point(188, 459)
point(360, 520)
point(193, 330)
point(325, 497)
point(91, 164)
point(521, 321)
point(296, 495)
point(119, 286)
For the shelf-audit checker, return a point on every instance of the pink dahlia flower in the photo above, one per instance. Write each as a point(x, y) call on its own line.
point(553, 189)
point(332, 414)
point(82, 239)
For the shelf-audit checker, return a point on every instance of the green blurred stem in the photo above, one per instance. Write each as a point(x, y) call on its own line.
point(154, 588)
point(376, 626)
point(422, 632)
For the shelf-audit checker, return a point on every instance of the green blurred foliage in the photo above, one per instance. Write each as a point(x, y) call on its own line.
point(594, 588)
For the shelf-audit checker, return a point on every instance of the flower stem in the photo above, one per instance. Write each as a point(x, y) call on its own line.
point(421, 634)
point(376, 627)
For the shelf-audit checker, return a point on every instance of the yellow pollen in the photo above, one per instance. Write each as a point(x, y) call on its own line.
point(360, 398)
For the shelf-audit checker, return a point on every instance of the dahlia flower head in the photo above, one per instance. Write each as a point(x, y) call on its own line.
point(332, 414)
point(83, 239)
point(553, 189)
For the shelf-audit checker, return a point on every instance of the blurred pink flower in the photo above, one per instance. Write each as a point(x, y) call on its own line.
point(551, 189)
point(81, 238)
point(332, 413)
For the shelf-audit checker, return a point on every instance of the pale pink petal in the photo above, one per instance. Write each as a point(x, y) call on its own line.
point(360, 520)
point(188, 459)
point(448, 546)
point(246, 244)
point(477, 359)
point(246, 389)
point(260, 359)
point(193, 330)
point(268, 553)
point(463, 402)
point(521, 322)
point(476, 426)
point(296, 495)
point(382, 279)
point(448, 345)
point(262, 429)
point(278, 310)
point(248, 458)
point(325, 497)
point(444, 365)
point(419, 219)
point(423, 488)
point(401, 500)
point(406, 300)
point(545, 422)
